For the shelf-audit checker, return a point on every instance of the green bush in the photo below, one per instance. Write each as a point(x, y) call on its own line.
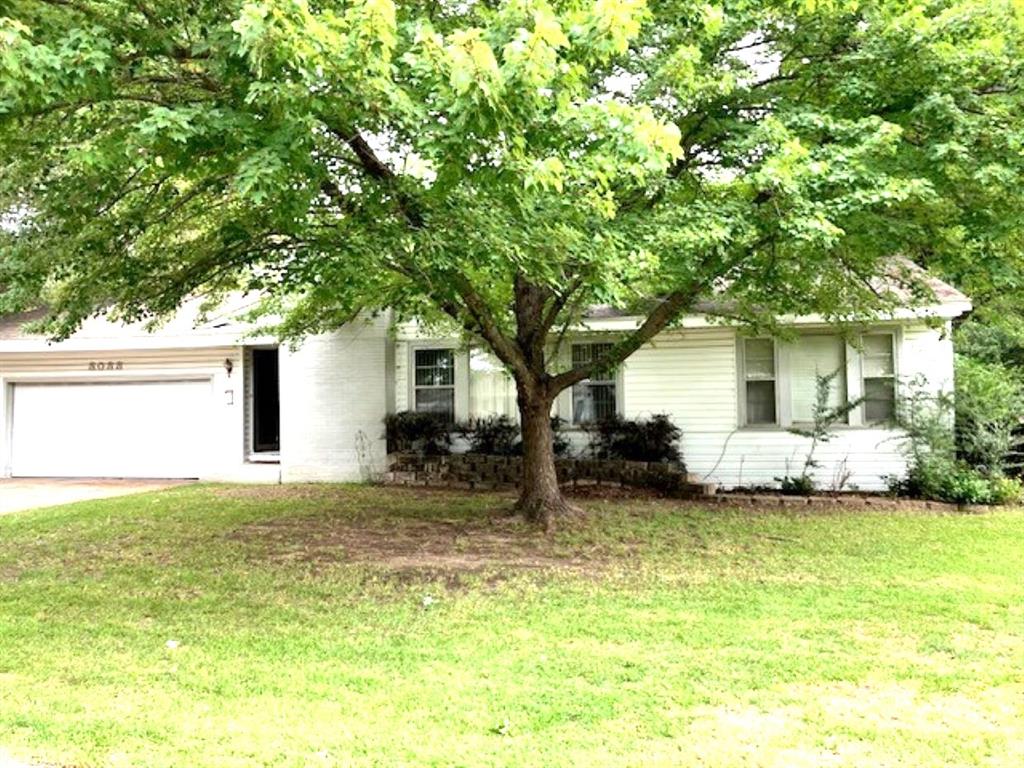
point(653, 439)
point(989, 407)
point(1007, 490)
point(501, 436)
point(966, 485)
point(940, 478)
point(492, 435)
point(799, 485)
point(414, 432)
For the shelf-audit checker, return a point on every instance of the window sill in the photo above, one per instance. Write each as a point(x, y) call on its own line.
point(264, 457)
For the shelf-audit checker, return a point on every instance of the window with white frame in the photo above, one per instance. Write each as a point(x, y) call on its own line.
point(593, 399)
point(878, 367)
point(779, 380)
point(759, 381)
point(434, 382)
point(812, 357)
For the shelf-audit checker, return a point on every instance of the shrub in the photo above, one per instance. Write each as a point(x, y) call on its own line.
point(801, 485)
point(927, 422)
point(492, 435)
point(966, 485)
point(821, 430)
point(501, 436)
point(934, 469)
point(989, 407)
point(423, 433)
point(653, 439)
point(1007, 490)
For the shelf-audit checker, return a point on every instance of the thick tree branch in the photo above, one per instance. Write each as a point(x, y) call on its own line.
point(487, 326)
point(668, 310)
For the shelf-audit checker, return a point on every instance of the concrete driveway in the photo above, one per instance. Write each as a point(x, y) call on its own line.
point(18, 495)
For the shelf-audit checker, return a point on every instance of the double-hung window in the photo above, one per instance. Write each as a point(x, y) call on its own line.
point(878, 364)
point(434, 382)
point(811, 359)
point(593, 399)
point(759, 381)
point(780, 380)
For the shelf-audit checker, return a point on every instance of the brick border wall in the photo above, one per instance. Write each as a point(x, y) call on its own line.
point(483, 472)
point(840, 502)
point(468, 471)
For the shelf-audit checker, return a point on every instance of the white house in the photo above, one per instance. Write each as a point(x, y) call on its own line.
point(209, 400)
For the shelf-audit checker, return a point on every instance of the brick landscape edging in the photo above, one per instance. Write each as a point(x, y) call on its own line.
point(483, 472)
point(469, 471)
point(843, 501)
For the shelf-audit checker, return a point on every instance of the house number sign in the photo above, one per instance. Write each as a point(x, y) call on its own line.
point(111, 365)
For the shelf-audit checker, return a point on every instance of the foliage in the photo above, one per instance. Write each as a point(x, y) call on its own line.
point(825, 416)
point(989, 343)
point(492, 435)
point(1007, 490)
point(796, 485)
point(500, 436)
point(653, 439)
point(965, 485)
point(467, 161)
point(933, 469)
point(274, 620)
point(926, 420)
point(423, 433)
point(989, 409)
point(504, 166)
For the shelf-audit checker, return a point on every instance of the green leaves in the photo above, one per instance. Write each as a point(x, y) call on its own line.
point(345, 155)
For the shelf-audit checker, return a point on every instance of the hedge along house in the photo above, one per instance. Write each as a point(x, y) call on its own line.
point(207, 399)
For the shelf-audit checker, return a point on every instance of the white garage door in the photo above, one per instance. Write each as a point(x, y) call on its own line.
point(132, 429)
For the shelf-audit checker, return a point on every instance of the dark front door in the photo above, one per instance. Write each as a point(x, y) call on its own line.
point(266, 403)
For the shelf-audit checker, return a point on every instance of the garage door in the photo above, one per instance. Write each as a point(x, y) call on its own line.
point(134, 429)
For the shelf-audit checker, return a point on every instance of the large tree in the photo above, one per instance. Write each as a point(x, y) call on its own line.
point(502, 165)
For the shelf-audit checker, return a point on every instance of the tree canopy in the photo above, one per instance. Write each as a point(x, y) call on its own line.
point(505, 165)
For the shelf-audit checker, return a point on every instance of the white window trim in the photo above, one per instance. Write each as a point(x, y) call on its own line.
point(856, 373)
point(461, 357)
point(741, 383)
point(783, 379)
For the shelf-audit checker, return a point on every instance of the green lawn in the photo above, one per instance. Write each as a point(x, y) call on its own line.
point(337, 626)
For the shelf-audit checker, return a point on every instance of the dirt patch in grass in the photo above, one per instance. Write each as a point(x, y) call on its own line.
point(413, 548)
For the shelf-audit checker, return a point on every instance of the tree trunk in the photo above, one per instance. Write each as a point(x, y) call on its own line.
point(541, 500)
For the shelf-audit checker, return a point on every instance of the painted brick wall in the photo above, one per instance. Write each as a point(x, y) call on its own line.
point(333, 401)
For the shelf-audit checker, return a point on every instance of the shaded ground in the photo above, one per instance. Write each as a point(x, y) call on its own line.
point(228, 627)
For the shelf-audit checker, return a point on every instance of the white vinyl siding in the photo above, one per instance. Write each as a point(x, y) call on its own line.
point(692, 375)
point(695, 376)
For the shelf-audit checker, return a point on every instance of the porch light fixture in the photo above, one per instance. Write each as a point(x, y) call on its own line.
point(228, 366)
